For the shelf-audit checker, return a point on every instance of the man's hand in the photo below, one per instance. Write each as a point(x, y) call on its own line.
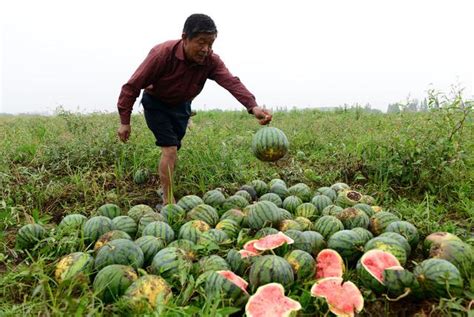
point(124, 132)
point(263, 115)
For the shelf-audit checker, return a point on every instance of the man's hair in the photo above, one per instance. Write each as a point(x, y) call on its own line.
point(198, 23)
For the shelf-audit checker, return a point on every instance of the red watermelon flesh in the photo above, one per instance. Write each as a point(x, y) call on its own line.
point(344, 299)
point(329, 264)
point(270, 301)
point(272, 241)
point(234, 278)
point(249, 246)
point(376, 261)
point(246, 253)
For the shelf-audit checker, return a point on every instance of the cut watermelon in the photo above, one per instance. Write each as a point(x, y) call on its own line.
point(246, 253)
point(371, 267)
point(272, 241)
point(344, 299)
point(234, 278)
point(329, 264)
point(249, 246)
point(270, 301)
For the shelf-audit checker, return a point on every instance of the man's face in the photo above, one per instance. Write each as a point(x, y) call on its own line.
point(199, 47)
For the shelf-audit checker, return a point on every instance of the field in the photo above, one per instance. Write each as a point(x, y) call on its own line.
point(417, 165)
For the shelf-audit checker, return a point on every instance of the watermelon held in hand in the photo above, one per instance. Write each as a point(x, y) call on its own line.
point(343, 298)
point(329, 264)
point(270, 300)
point(269, 144)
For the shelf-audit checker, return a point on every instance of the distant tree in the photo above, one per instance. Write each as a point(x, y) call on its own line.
point(393, 108)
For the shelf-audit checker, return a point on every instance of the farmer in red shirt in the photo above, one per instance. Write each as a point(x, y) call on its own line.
point(172, 75)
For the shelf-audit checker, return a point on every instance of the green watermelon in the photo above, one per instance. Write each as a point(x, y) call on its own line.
point(96, 226)
point(269, 144)
point(251, 190)
point(141, 176)
point(274, 198)
point(260, 187)
point(109, 210)
point(150, 245)
point(348, 198)
point(270, 269)
point(302, 191)
point(72, 222)
point(188, 247)
point(331, 210)
point(321, 202)
point(310, 241)
point(340, 187)
point(205, 213)
point(29, 236)
point(137, 211)
point(234, 214)
point(347, 243)
point(289, 224)
point(380, 221)
point(173, 214)
point(352, 218)
point(230, 227)
point(235, 202)
point(112, 281)
point(302, 263)
point(191, 230)
point(214, 198)
point(291, 203)
point(213, 263)
point(189, 202)
point(280, 190)
point(146, 293)
point(436, 238)
point(365, 208)
point(148, 218)
point(263, 213)
point(327, 191)
point(227, 286)
point(120, 251)
point(170, 263)
point(244, 194)
point(77, 265)
point(365, 234)
point(125, 224)
point(304, 223)
point(399, 238)
point(389, 245)
point(160, 230)
point(327, 226)
point(439, 278)
point(405, 229)
point(458, 253)
point(307, 210)
point(109, 236)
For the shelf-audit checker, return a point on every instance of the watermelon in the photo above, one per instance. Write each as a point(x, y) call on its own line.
point(141, 176)
point(260, 187)
point(458, 253)
point(321, 202)
point(263, 213)
point(188, 202)
point(340, 187)
point(309, 241)
point(173, 214)
point(401, 283)
point(268, 269)
point(347, 243)
point(72, 222)
point(327, 226)
point(250, 246)
point(160, 230)
point(148, 218)
point(284, 214)
point(213, 238)
point(439, 278)
point(188, 247)
point(272, 241)
point(235, 202)
point(150, 245)
point(77, 265)
point(365, 234)
point(234, 214)
point(120, 251)
point(367, 199)
point(205, 213)
point(225, 284)
point(269, 144)
point(399, 238)
point(291, 203)
point(191, 230)
point(146, 293)
point(214, 198)
point(95, 227)
point(230, 227)
point(137, 211)
point(331, 210)
point(380, 221)
point(329, 264)
point(302, 263)
point(280, 190)
point(270, 300)
point(343, 298)
point(251, 190)
point(109, 236)
point(304, 223)
point(302, 191)
point(29, 236)
point(109, 210)
point(244, 194)
point(365, 208)
point(405, 229)
point(436, 238)
point(307, 210)
point(274, 198)
point(276, 181)
point(352, 218)
point(125, 224)
point(327, 191)
point(371, 266)
point(213, 263)
point(389, 245)
point(171, 263)
point(289, 224)
point(348, 198)
point(238, 263)
point(112, 281)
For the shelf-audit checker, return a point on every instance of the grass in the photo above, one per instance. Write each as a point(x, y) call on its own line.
point(419, 165)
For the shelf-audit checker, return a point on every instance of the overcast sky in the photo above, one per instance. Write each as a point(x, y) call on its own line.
point(78, 54)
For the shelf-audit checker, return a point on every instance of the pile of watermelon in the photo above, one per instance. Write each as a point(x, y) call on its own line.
point(262, 249)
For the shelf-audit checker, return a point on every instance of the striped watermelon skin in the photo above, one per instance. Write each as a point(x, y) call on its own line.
point(352, 218)
point(244, 194)
point(150, 245)
point(321, 202)
point(263, 214)
point(191, 230)
point(214, 236)
point(77, 265)
point(188, 247)
point(439, 278)
point(218, 287)
point(137, 211)
point(274, 198)
point(348, 198)
point(327, 226)
point(260, 187)
point(331, 210)
point(337, 187)
point(109, 210)
point(265, 232)
point(96, 226)
point(110, 236)
point(214, 198)
point(125, 224)
point(289, 224)
point(275, 181)
point(458, 253)
point(173, 214)
point(239, 265)
point(120, 251)
point(205, 213)
point(270, 269)
point(302, 191)
point(302, 263)
point(213, 263)
point(251, 190)
point(305, 223)
point(365, 208)
point(365, 234)
point(235, 202)
point(280, 190)
point(234, 214)
point(72, 222)
point(29, 235)
point(146, 293)
point(230, 227)
point(188, 202)
point(405, 229)
point(148, 218)
point(380, 221)
point(159, 229)
point(328, 191)
point(311, 242)
point(291, 203)
point(388, 245)
point(307, 210)
point(170, 262)
point(347, 243)
point(399, 238)
point(112, 281)
point(269, 144)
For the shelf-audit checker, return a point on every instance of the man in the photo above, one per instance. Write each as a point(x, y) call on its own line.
point(173, 74)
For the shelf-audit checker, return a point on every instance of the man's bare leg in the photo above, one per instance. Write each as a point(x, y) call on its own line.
point(166, 169)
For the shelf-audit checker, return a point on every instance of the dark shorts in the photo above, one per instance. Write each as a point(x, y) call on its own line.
point(168, 123)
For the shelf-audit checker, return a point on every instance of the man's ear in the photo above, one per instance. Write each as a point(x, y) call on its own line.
point(183, 36)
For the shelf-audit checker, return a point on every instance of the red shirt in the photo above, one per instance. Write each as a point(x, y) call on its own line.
point(166, 74)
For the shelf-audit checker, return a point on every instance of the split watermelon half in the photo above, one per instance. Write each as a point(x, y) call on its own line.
point(329, 264)
point(270, 300)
